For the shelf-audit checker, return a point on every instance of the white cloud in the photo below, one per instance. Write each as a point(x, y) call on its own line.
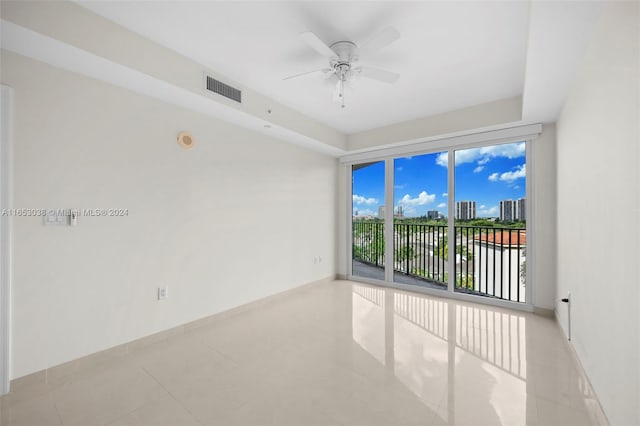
point(511, 176)
point(443, 159)
point(422, 199)
point(484, 154)
point(399, 169)
point(478, 169)
point(483, 206)
point(444, 194)
point(442, 205)
point(492, 211)
point(359, 199)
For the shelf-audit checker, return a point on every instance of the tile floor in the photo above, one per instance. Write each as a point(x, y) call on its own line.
point(338, 353)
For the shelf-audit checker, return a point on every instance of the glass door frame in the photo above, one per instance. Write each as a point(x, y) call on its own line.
point(449, 146)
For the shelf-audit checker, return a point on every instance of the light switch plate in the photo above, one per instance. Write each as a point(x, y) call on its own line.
point(163, 293)
point(56, 218)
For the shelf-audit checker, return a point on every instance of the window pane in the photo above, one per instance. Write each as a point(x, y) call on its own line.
point(490, 221)
point(420, 221)
point(368, 220)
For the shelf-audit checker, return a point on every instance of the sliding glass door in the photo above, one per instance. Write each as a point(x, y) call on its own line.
point(451, 220)
point(490, 221)
point(368, 214)
point(420, 221)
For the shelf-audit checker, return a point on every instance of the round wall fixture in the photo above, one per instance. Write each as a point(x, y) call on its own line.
point(186, 140)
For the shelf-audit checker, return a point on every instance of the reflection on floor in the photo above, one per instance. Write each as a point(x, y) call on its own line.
point(366, 270)
point(338, 353)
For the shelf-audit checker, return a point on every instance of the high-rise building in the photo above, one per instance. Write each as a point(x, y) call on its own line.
point(521, 211)
point(512, 211)
point(433, 214)
point(400, 212)
point(381, 212)
point(465, 210)
point(506, 210)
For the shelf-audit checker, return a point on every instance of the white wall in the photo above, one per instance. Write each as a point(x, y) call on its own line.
point(5, 234)
point(544, 218)
point(239, 217)
point(490, 114)
point(598, 141)
point(75, 26)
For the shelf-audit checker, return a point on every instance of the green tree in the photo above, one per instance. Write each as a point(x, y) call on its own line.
point(368, 241)
point(465, 281)
point(443, 250)
point(404, 253)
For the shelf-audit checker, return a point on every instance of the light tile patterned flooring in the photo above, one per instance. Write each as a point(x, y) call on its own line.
point(337, 353)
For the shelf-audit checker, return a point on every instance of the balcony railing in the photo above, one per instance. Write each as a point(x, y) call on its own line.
point(489, 261)
point(419, 251)
point(368, 242)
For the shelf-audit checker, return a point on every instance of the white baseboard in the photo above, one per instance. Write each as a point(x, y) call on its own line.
point(594, 408)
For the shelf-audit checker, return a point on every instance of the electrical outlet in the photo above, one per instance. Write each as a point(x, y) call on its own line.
point(163, 293)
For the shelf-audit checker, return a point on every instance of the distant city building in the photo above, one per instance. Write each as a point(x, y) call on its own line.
point(513, 210)
point(381, 212)
point(433, 214)
point(521, 211)
point(358, 216)
point(506, 210)
point(465, 210)
point(400, 213)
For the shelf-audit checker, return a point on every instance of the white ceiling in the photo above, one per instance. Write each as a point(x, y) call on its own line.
point(450, 55)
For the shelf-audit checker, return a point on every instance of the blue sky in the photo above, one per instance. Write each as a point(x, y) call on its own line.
point(485, 175)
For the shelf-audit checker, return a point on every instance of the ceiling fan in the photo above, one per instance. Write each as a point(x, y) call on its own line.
point(343, 56)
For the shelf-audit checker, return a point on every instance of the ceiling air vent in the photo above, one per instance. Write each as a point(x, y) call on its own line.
point(225, 90)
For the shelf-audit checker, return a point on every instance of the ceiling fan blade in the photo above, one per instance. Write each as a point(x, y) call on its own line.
point(318, 45)
point(380, 40)
point(324, 71)
point(378, 74)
